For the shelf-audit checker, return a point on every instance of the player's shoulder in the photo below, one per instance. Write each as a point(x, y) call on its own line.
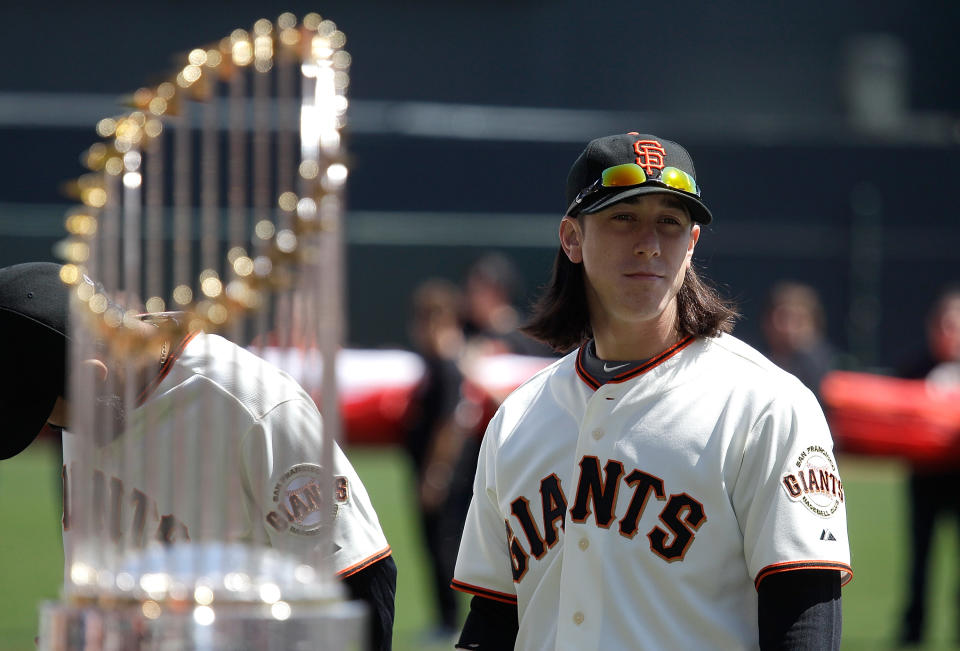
point(746, 367)
point(734, 350)
point(539, 388)
point(250, 380)
point(560, 369)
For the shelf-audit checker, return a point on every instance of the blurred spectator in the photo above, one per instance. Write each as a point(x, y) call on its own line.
point(933, 488)
point(491, 286)
point(452, 331)
point(440, 424)
point(794, 324)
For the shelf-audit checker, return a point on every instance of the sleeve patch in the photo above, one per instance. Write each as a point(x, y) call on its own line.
point(814, 481)
point(298, 500)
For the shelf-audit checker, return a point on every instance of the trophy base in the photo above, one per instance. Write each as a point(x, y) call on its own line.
point(331, 626)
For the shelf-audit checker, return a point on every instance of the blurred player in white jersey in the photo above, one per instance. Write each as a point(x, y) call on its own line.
point(266, 427)
point(663, 486)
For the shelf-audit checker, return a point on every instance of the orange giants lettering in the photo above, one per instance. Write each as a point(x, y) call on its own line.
point(645, 484)
point(602, 495)
point(597, 493)
point(554, 505)
point(521, 509)
point(303, 501)
point(518, 557)
point(683, 515)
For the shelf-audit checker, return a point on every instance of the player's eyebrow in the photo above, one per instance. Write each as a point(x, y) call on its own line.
point(671, 201)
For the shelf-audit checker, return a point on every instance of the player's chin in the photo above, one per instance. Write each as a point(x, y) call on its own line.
point(640, 314)
point(645, 299)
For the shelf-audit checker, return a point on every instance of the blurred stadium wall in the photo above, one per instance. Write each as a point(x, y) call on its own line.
point(826, 141)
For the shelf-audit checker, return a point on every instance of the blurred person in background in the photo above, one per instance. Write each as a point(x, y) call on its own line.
point(492, 320)
point(440, 424)
point(933, 488)
point(794, 325)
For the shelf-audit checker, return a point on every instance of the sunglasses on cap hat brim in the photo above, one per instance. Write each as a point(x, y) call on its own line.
point(631, 176)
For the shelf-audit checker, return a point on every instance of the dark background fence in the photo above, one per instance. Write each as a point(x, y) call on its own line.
point(825, 136)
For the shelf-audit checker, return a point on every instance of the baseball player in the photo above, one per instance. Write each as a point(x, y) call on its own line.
point(269, 441)
point(662, 486)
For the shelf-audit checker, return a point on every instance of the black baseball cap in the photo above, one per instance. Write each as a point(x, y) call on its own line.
point(648, 151)
point(34, 305)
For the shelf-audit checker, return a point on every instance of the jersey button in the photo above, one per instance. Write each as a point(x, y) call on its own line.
point(578, 618)
point(583, 544)
point(597, 433)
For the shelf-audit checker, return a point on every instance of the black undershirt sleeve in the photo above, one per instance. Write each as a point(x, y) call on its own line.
point(490, 626)
point(377, 586)
point(800, 610)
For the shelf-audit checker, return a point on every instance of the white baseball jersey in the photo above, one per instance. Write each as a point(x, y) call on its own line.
point(224, 448)
point(643, 513)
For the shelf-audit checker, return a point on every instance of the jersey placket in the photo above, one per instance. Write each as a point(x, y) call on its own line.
point(582, 596)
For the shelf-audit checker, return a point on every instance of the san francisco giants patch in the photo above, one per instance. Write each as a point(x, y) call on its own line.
point(815, 482)
point(299, 498)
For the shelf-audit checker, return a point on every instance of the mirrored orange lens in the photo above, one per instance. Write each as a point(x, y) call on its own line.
point(622, 175)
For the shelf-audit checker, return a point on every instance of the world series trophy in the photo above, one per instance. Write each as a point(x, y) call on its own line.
point(214, 206)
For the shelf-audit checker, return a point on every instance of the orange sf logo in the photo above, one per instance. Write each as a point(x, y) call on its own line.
point(650, 155)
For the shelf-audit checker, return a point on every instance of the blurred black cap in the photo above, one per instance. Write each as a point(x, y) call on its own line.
point(33, 322)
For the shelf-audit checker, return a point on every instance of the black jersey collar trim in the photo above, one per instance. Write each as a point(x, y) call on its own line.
point(653, 362)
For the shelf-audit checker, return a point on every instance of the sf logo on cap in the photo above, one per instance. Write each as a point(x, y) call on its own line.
point(650, 155)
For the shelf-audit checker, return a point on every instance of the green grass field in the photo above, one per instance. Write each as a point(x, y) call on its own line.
point(31, 558)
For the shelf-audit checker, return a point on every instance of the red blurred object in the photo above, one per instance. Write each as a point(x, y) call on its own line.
point(885, 416)
point(489, 379)
point(374, 415)
point(376, 386)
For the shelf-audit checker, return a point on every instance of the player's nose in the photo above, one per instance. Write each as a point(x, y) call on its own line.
point(646, 241)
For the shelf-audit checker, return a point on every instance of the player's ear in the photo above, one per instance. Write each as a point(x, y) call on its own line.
point(99, 368)
point(692, 244)
point(571, 238)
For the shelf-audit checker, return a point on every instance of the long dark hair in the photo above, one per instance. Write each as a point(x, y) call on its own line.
point(561, 319)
